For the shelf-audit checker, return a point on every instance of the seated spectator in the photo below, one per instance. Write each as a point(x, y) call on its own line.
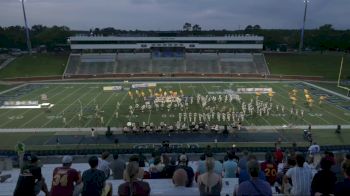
point(156, 168)
point(180, 181)
point(183, 161)
point(242, 163)
point(301, 177)
point(269, 168)
point(254, 186)
point(169, 169)
point(244, 173)
point(218, 169)
point(209, 183)
point(324, 181)
point(133, 185)
point(117, 166)
point(142, 173)
point(65, 178)
point(30, 181)
point(94, 180)
point(103, 164)
point(343, 188)
point(230, 166)
point(201, 165)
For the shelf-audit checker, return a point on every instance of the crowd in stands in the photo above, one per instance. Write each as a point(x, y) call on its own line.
point(285, 172)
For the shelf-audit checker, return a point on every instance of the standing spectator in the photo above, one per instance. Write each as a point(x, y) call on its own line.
point(337, 167)
point(343, 188)
point(301, 177)
point(269, 168)
point(218, 169)
point(210, 183)
point(183, 161)
point(201, 165)
point(103, 164)
point(314, 149)
point(323, 182)
point(254, 186)
point(180, 181)
point(278, 155)
point(117, 166)
point(169, 169)
point(230, 167)
point(244, 173)
point(94, 180)
point(156, 168)
point(133, 186)
point(30, 181)
point(242, 164)
point(64, 179)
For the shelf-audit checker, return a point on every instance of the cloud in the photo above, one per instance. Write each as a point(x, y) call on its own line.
point(172, 14)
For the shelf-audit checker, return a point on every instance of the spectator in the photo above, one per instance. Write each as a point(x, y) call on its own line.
point(244, 173)
point(278, 155)
point(314, 149)
point(343, 188)
point(230, 167)
point(242, 164)
point(180, 181)
point(133, 186)
point(64, 178)
point(117, 166)
point(30, 181)
point(201, 165)
point(218, 169)
point(169, 169)
point(210, 183)
point(254, 186)
point(183, 165)
point(323, 182)
point(269, 168)
point(301, 177)
point(156, 168)
point(94, 180)
point(142, 173)
point(142, 160)
point(337, 167)
point(103, 164)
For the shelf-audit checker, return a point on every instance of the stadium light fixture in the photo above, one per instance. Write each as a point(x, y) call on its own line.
point(301, 44)
point(29, 45)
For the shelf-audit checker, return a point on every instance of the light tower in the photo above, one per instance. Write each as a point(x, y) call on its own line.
point(29, 45)
point(301, 45)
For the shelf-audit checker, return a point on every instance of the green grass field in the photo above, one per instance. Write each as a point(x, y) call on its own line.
point(68, 96)
point(35, 65)
point(308, 64)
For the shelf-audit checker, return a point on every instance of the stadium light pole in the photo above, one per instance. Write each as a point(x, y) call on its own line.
point(29, 45)
point(301, 44)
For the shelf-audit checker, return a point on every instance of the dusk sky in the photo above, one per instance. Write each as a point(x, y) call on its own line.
point(172, 14)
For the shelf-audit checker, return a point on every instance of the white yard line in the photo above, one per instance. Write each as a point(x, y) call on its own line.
point(22, 113)
point(69, 104)
point(121, 103)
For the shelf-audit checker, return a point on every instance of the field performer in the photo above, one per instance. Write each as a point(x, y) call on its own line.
point(116, 114)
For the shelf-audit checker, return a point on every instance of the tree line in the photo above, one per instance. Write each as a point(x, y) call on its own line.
point(323, 38)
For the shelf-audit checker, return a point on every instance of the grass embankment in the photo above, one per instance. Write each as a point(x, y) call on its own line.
point(308, 64)
point(35, 65)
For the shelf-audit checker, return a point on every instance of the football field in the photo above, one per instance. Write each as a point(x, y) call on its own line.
point(86, 104)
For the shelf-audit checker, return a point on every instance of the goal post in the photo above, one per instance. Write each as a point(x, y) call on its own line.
point(339, 84)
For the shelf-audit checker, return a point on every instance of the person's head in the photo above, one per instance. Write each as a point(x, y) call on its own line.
point(157, 160)
point(326, 164)
point(31, 159)
point(115, 156)
point(230, 156)
point(346, 168)
point(183, 160)
point(291, 161)
point(67, 161)
point(132, 170)
point(253, 168)
point(252, 157)
point(105, 155)
point(300, 160)
point(269, 157)
point(202, 157)
point(210, 163)
point(134, 158)
point(180, 177)
point(93, 162)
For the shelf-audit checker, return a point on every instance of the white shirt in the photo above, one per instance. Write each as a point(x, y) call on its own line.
point(301, 179)
point(103, 165)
